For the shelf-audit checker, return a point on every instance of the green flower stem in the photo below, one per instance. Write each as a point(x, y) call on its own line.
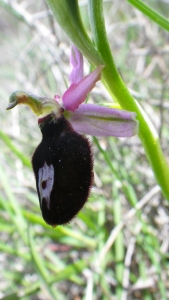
point(147, 132)
point(149, 12)
point(67, 15)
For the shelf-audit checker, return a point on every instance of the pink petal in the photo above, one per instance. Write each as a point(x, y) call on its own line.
point(77, 93)
point(102, 121)
point(76, 60)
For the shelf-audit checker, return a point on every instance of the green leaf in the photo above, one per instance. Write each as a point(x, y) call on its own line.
point(150, 13)
point(67, 15)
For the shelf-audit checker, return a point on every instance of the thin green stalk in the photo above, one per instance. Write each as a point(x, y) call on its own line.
point(116, 85)
point(151, 13)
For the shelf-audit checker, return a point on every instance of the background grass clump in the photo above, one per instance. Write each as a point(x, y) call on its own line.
point(117, 247)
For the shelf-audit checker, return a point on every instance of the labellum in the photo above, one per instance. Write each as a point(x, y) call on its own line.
point(62, 163)
point(63, 166)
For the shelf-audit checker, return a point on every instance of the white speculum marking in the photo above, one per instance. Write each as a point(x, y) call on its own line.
point(45, 182)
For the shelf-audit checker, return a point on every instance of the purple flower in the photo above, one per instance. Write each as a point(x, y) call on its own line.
point(90, 118)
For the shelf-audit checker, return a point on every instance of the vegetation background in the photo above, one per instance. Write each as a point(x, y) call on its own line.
point(117, 247)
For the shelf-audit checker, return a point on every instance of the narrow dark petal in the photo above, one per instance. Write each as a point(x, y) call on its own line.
point(63, 166)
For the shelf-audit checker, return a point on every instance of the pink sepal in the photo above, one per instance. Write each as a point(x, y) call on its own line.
point(77, 93)
point(76, 60)
point(97, 120)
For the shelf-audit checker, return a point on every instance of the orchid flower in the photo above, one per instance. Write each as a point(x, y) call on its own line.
point(85, 118)
point(62, 162)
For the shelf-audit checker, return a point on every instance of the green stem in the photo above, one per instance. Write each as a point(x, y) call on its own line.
point(67, 15)
point(117, 87)
point(152, 14)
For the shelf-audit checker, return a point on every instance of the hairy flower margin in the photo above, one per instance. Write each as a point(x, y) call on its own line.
point(85, 118)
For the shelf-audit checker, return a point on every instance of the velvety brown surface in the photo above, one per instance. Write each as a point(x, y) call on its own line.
point(70, 155)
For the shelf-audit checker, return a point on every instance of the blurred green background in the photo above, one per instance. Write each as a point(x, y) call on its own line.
point(117, 247)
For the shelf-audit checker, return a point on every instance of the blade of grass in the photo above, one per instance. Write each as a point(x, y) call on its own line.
point(8, 249)
point(39, 264)
point(65, 274)
point(83, 240)
point(61, 265)
point(119, 172)
point(151, 13)
point(14, 150)
point(15, 219)
point(119, 243)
